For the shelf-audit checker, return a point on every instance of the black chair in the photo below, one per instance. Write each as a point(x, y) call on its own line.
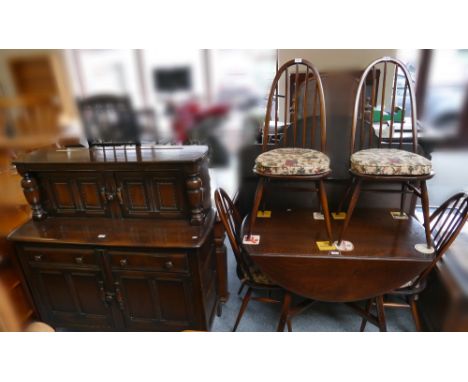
point(109, 120)
point(446, 223)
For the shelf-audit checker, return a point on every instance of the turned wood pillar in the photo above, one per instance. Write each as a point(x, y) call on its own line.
point(31, 192)
point(194, 186)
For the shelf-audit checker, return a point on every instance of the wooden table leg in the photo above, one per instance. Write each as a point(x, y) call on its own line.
point(284, 312)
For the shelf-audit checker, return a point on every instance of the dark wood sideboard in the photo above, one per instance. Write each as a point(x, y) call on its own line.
point(122, 238)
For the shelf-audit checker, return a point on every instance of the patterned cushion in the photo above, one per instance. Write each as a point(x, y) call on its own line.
point(389, 162)
point(292, 161)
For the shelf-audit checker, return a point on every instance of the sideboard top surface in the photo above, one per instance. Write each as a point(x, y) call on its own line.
point(115, 155)
point(104, 232)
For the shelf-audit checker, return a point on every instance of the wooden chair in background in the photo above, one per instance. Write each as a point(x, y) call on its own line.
point(249, 274)
point(287, 153)
point(109, 120)
point(446, 223)
point(381, 152)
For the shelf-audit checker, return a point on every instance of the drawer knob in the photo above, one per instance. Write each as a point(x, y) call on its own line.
point(168, 265)
point(79, 260)
point(123, 262)
point(37, 257)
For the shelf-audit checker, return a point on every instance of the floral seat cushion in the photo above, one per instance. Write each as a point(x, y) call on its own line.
point(389, 162)
point(292, 161)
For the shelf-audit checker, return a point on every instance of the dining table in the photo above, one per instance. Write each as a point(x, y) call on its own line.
point(384, 256)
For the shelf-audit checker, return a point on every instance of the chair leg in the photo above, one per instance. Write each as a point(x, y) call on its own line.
point(241, 288)
point(364, 320)
point(415, 313)
point(352, 204)
point(289, 325)
point(257, 200)
point(381, 313)
point(284, 312)
point(245, 302)
point(402, 198)
point(346, 195)
point(326, 212)
point(425, 208)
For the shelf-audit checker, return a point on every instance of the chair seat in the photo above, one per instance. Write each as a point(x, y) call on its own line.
point(389, 162)
point(257, 275)
point(292, 161)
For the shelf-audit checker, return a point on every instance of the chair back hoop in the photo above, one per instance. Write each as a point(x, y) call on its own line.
point(446, 222)
point(291, 94)
point(231, 219)
point(365, 110)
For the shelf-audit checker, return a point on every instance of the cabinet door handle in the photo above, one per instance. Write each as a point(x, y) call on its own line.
point(168, 265)
point(102, 292)
point(118, 295)
point(37, 257)
point(79, 260)
point(119, 195)
point(106, 196)
point(123, 262)
point(103, 195)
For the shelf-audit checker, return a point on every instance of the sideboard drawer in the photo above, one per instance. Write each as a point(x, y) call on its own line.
point(161, 262)
point(65, 256)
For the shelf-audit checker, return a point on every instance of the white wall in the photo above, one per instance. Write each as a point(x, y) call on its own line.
point(336, 59)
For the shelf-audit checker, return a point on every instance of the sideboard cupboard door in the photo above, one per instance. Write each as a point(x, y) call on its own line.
point(83, 194)
point(71, 298)
point(154, 301)
point(150, 194)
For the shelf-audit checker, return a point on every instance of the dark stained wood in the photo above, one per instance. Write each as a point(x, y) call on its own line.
point(383, 258)
point(309, 74)
point(446, 223)
point(394, 66)
point(170, 182)
point(121, 240)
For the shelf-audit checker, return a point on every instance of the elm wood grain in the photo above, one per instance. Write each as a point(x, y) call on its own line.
point(383, 257)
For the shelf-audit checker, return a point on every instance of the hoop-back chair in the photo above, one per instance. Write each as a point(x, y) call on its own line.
point(386, 151)
point(109, 120)
point(287, 140)
point(446, 223)
point(249, 274)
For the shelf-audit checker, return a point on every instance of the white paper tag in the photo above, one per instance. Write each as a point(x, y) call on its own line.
point(251, 240)
point(318, 216)
point(345, 246)
point(298, 60)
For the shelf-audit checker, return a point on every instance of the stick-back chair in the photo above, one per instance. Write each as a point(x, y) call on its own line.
point(446, 223)
point(294, 134)
point(109, 120)
point(249, 274)
point(384, 146)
